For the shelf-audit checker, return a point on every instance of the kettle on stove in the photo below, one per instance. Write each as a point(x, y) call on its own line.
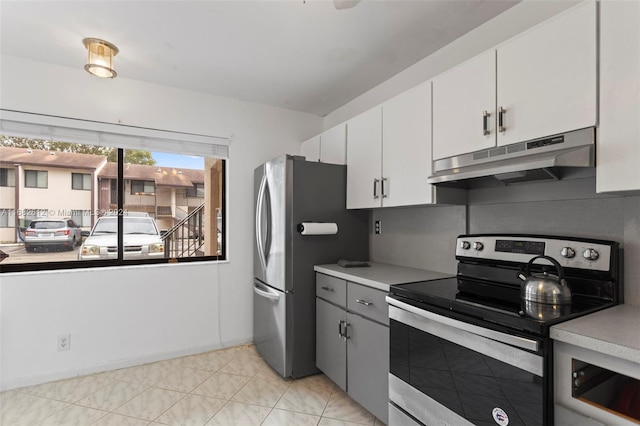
point(544, 287)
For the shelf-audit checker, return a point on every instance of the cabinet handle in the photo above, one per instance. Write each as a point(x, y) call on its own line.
point(364, 302)
point(329, 289)
point(346, 336)
point(340, 335)
point(375, 189)
point(485, 123)
point(501, 112)
point(384, 179)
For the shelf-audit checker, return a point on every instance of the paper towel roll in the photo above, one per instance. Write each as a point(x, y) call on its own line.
point(318, 228)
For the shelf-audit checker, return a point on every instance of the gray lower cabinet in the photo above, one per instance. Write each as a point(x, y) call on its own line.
point(351, 348)
point(331, 350)
point(368, 365)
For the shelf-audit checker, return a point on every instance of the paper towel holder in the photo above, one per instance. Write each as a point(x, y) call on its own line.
point(317, 228)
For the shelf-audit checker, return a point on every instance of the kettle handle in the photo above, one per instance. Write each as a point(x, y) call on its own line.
point(550, 259)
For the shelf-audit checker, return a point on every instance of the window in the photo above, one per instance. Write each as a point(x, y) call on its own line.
point(196, 192)
point(143, 187)
point(113, 187)
point(36, 178)
point(7, 218)
point(81, 181)
point(7, 177)
point(129, 186)
point(82, 218)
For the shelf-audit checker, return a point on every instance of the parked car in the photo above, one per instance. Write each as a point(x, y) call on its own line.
point(141, 239)
point(49, 233)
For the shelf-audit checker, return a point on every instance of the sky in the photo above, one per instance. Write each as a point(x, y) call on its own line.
point(179, 161)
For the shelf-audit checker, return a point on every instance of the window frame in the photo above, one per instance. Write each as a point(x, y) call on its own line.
point(37, 172)
point(7, 174)
point(84, 178)
point(120, 261)
point(120, 137)
point(144, 187)
point(83, 214)
point(193, 192)
point(10, 214)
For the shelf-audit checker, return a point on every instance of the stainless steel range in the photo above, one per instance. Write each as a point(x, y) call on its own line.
point(473, 349)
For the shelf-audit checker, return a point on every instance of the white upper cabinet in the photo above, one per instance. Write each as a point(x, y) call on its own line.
point(328, 147)
point(540, 83)
point(389, 152)
point(333, 145)
point(618, 145)
point(406, 147)
point(364, 159)
point(310, 149)
point(461, 97)
point(547, 81)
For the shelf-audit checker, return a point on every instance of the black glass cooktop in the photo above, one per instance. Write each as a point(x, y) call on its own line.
point(495, 303)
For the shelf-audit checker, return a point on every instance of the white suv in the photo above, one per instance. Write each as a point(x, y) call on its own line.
point(141, 239)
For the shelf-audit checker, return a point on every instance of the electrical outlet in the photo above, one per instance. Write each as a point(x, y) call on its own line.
point(378, 228)
point(64, 342)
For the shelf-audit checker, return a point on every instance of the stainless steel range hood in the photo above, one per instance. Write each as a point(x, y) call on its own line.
point(535, 160)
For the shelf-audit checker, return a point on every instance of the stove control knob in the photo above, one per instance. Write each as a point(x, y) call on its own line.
point(567, 252)
point(591, 254)
point(465, 245)
point(477, 245)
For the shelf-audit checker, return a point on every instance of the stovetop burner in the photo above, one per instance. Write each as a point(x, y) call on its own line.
point(487, 289)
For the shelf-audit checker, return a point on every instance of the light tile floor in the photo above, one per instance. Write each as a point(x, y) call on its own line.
point(226, 387)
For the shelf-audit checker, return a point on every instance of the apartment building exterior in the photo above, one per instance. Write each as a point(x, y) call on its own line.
point(38, 183)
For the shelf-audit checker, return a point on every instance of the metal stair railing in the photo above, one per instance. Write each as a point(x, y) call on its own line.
point(186, 237)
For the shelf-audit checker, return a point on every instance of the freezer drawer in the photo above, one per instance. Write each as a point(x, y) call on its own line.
point(270, 327)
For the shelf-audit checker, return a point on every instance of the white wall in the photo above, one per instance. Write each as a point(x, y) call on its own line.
point(513, 21)
point(121, 316)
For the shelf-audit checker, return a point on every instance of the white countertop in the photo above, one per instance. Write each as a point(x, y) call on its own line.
point(380, 275)
point(614, 331)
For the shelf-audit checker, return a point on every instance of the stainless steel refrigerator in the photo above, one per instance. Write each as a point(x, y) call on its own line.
point(288, 191)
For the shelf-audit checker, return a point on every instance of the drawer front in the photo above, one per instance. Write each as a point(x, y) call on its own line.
point(368, 302)
point(331, 289)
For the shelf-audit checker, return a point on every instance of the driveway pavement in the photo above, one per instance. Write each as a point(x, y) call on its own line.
point(17, 254)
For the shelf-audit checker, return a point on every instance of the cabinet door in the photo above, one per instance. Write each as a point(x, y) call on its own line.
point(618, 156)
point(364, 159)
point(333, 145)
point(331, 350)
point(368, 365)
point(460, 96)
point(547, 77)
point(311, 149)
point(406, 147)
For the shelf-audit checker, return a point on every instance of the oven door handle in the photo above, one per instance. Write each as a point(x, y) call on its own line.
point(517, 341)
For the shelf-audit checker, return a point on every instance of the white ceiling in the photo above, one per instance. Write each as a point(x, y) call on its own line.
point(301, 55)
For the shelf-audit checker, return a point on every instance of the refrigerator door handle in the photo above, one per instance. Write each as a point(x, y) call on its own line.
point(259, 212)
point(265, 292)
point(266, 248)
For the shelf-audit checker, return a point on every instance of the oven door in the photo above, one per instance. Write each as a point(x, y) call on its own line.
point(446, 371)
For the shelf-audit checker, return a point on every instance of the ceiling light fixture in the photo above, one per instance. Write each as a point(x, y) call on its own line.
point(100, 59)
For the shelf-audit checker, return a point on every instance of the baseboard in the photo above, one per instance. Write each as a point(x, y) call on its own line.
point(19, 382)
